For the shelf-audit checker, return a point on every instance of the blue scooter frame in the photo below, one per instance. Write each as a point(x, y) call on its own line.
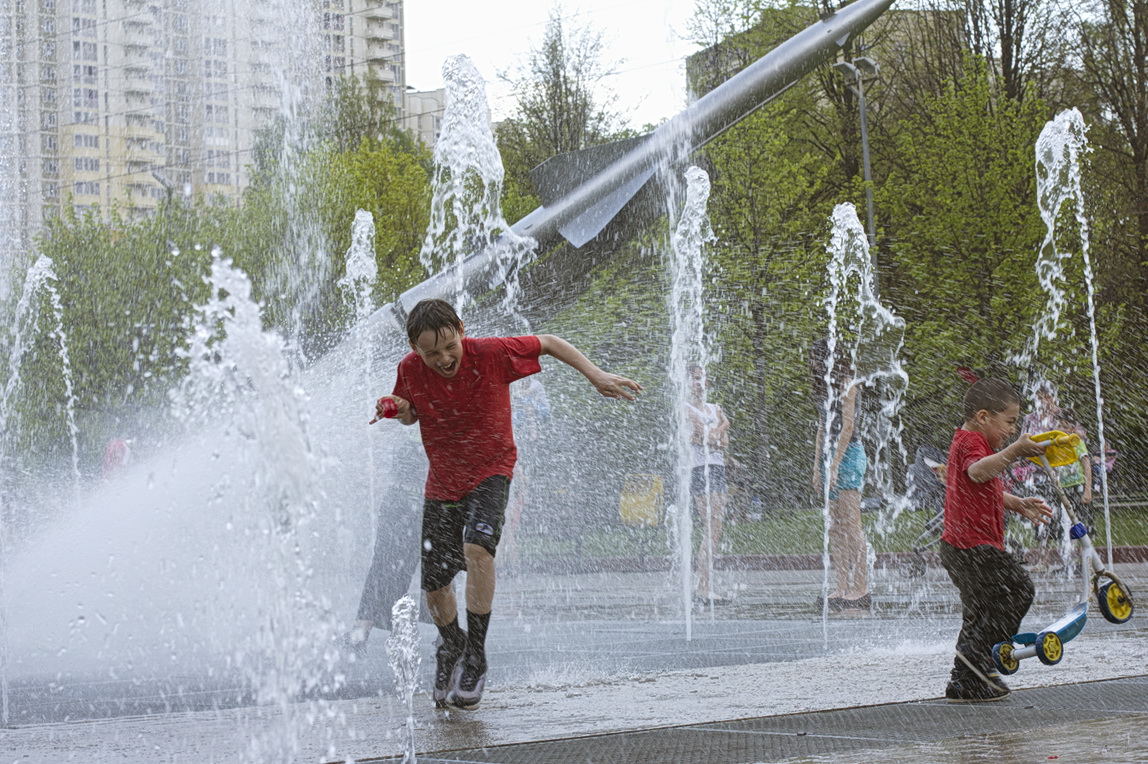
point(1112, 597)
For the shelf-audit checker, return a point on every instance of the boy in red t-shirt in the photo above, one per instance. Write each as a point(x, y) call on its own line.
point(996, 591)
point(458, 390)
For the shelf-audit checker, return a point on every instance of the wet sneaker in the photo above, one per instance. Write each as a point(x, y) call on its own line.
point(975, 690)
point(448, 667)
point(471, 681)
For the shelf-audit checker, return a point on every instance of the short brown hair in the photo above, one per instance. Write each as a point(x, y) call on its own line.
point(433, 315)
point(989, 394)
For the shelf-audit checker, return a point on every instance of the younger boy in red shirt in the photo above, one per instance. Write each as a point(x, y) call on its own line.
point(996, 591)
point(458, 390)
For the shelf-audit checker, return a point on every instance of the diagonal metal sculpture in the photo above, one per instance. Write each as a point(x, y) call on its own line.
point(583, 191)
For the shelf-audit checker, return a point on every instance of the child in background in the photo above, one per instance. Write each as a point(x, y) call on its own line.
point(996, 591)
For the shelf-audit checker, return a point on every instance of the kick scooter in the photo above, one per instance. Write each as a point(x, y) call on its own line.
point(1112, 596)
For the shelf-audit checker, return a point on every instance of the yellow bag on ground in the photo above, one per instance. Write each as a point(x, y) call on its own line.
point(643, 499)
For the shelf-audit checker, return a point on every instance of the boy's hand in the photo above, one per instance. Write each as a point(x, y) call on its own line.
point(1034, 508)
point(403, 408)
point(1026, 446)
point(613, 386)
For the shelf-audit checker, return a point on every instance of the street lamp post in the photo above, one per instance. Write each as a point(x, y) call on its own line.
point(859, 69)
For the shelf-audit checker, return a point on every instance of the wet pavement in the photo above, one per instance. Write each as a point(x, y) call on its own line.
point(1093, 721)
point(596, 667)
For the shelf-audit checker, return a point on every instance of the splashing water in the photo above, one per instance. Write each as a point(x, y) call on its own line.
point(872, 337)
point(239, 380)
point(357, 285)
point(294, 62)
point(689, 345)
point(404, 657)
point(24, 330)
point(466, 214)
point(1060, 151)
point(362, 269)
point(11, 244)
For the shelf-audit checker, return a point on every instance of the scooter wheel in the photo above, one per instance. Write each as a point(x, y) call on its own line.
point(1003, 657)
point(1049, 648)
point(1115, 604)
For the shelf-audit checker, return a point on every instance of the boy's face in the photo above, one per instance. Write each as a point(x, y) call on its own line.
point(998, 428)
point(441, 351)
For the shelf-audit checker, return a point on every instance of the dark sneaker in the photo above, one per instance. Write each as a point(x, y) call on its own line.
point(448, 666)
point(975, 690)
point(471, 681)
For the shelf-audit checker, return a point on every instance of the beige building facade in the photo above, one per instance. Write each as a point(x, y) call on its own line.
point(122, 102)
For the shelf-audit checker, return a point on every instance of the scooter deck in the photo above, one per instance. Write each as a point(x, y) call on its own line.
point(1067, 627)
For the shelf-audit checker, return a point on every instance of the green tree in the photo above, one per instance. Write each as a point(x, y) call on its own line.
point(962, 207)
point(562, 107)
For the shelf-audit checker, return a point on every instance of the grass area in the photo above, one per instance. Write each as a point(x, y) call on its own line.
point(793, 532)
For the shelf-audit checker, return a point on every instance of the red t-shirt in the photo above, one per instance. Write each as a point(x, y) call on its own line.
point(465, 420)
point(974, 512)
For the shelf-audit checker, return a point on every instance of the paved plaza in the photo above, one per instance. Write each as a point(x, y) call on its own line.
point(597, 667)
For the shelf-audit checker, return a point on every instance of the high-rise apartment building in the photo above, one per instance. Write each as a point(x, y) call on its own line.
point(121, 102)
point(422, 113)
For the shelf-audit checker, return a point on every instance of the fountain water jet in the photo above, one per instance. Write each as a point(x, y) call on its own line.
point(870, 336)
point(1060, 152)
point(689, 344)
point(24, 330)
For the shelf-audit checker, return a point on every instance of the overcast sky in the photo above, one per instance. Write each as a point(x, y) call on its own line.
point(646, 36)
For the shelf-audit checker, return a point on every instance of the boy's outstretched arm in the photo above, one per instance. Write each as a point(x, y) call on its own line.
point(989, 467)
point(609, 385)
point(1032, 507)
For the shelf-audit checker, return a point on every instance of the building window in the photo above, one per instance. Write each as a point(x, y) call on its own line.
point(47, 120)
point(84, 51)
point(86, 188)
point(85, 98)
point(50, 190)
point(49, 144)
point(85, 141)
point(51, 168)
point(85, 73)
point(83, 27)
point(86, 164)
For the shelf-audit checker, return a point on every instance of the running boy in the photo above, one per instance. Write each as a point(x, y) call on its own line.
point(458, 390)
point(996, 591)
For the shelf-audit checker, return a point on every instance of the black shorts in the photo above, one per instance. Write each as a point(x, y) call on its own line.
point(717, 480)
point(474, 519)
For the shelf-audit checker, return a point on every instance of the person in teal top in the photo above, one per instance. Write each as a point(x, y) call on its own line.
point(839, 475)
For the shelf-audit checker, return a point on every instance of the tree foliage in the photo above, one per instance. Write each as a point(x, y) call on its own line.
point(127, 286)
